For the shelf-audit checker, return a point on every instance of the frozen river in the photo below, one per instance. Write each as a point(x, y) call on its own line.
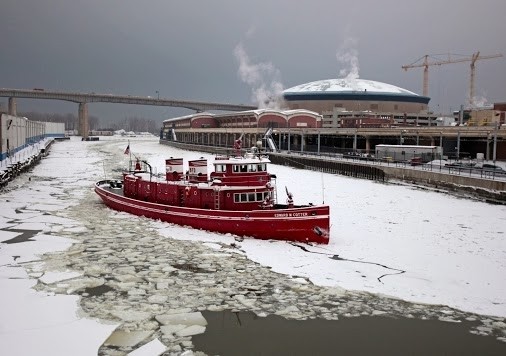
point(145, 283)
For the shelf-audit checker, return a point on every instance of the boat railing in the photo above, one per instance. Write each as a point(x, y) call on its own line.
point(140, 166)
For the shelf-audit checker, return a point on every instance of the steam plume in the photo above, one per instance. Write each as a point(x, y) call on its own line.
point(347, 55)
point(479, 101)
point(263, 78)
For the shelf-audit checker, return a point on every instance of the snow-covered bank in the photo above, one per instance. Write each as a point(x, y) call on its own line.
point(24, 159)
point(34, 322)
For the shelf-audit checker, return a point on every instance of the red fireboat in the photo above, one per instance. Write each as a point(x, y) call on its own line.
point(239, 197)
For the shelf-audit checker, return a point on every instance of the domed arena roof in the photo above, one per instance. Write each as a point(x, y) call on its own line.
point(351, 89)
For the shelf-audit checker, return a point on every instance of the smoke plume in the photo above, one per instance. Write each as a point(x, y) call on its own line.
point(347, 55)
point(263, 78)
point(478, 101)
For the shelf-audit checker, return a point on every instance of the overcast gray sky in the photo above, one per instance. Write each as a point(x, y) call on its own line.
point(193, 49)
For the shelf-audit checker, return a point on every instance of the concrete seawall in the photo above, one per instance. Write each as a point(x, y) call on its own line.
point(432, 177)
point(490, 190)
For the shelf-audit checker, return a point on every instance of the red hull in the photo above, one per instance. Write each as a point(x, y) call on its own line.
point(302, 224)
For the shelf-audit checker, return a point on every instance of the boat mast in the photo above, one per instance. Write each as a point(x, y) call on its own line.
point(150, 169)
point(323, 190)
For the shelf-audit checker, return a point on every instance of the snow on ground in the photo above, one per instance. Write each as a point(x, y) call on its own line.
point(35, 323)
point(412, 244)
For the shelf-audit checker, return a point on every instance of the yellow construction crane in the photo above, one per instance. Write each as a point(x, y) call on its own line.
point(425, 64)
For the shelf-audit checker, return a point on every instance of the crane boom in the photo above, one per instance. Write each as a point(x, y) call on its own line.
point(426, 63)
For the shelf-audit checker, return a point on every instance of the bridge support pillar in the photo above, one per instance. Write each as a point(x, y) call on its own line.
point(367, 144)
point(12, 107)
point(83, 120)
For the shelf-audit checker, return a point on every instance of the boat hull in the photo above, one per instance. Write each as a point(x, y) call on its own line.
point(301, 224)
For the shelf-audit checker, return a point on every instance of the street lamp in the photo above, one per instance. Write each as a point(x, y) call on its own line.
point(494, 150)
point(458, 145)
point(401, 138)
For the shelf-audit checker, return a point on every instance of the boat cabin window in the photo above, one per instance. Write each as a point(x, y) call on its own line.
point(251, 197)
point(248, 168)
point(220, 168)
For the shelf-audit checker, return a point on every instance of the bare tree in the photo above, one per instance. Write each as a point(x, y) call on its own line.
point(133, 123)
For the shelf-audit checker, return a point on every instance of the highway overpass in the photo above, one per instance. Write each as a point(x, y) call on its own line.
point(84, 98)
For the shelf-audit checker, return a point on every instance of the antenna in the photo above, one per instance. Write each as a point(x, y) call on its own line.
point(323, 190)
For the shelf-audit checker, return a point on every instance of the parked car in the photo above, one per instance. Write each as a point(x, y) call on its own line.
point(437, 163)
point(491, 167)
point(461, 165)
point(416, 161)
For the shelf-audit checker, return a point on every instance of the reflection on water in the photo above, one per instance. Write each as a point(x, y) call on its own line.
point(244, 333)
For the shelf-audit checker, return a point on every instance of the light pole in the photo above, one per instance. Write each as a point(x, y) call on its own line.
point(487, 153)
point(458, 145)
point(494, 150)
point(401, 139)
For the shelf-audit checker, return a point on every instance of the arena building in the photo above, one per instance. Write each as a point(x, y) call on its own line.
point(336, 99)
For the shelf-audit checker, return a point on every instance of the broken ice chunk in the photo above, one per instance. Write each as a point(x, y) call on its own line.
point(195, 318)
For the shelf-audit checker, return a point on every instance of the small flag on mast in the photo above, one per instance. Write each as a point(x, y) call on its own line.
point(127, 150)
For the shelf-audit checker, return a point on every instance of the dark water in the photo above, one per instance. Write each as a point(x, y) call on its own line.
point(247, 334)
